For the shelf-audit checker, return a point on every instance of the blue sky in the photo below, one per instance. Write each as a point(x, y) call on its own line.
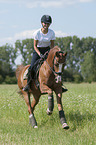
point(20, 18)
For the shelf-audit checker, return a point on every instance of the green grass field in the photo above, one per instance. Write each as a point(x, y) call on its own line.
point(80, 110)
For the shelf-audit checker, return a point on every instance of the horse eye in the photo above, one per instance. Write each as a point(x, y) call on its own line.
point(56, 64)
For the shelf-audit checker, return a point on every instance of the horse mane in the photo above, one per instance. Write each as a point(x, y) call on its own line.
point(53, 51)
point(19, 68)
point(56, 48)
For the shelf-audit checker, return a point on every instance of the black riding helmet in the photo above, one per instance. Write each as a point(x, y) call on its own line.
point(46, 19)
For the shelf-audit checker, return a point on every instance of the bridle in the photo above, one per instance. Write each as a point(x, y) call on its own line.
point(53, 69)
point(58, 73)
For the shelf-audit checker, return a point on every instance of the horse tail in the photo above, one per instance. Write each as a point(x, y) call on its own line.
point(19, 68)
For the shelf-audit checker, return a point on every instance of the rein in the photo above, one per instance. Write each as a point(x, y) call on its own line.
point(51, 68)
point(58, 73)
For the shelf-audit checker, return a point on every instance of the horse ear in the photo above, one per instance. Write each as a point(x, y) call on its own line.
point(57, 54)
point(65, 54)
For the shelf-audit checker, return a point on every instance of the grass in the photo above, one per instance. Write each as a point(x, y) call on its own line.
point(80, 109)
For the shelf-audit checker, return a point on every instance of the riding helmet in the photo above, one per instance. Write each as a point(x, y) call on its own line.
point(46, 19)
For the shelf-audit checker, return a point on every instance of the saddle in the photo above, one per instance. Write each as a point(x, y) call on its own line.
point(36, 68)
point(34, 72)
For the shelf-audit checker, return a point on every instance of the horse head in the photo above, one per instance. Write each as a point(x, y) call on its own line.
point(59, 63)
point(56, 62)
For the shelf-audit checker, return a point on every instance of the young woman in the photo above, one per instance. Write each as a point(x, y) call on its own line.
point(43, 41)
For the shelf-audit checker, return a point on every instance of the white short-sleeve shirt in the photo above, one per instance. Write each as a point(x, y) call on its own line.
point(44, 39)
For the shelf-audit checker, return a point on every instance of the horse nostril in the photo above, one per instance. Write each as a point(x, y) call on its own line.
point(58, 79)
point(59, 73)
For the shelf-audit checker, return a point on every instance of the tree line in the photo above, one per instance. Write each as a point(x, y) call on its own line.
point(80, 63)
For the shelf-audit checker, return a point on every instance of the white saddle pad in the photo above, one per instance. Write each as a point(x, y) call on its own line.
point(25, 74)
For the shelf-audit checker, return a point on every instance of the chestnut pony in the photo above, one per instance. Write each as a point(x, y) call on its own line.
point(49, 79)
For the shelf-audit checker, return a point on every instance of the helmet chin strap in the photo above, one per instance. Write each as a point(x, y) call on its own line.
point(42, 26)
point(44, 29)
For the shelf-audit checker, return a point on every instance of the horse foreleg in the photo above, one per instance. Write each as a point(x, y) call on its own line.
point(45, 89)
point(50, 103)
point(61, 112)
point(35, 102)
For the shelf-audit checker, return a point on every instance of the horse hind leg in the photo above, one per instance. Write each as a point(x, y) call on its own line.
point(32, 120)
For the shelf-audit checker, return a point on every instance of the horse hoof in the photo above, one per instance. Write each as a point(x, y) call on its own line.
point(35, 126)
point(49, 112)
point(65, 126)
point(32, 121)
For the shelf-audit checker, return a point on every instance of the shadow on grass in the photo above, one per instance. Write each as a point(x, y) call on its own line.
point(76, 119)
point(79, 119)
point(49, 120)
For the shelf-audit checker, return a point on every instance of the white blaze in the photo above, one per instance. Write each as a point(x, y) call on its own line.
point(60, 67)
point(58, 78)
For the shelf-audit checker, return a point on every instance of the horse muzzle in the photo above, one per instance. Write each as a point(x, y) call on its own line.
point(58, 78)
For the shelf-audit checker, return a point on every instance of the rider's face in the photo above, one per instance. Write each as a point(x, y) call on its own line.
point(45, 25)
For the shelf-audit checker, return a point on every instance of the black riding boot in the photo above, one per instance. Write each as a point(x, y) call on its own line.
point(64, 90)
point(27, 87)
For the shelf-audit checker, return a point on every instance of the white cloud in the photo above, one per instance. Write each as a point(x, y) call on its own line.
point(15, 26)
point(1, 23)
point(44, 3)
point(17, 36)
point(85, 1)
point(3, 11)
point(9, 1)
point(54, 3)
point(61, 34)
point(26, 34)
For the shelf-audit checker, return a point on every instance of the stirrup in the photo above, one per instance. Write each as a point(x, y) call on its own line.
point(64, 90)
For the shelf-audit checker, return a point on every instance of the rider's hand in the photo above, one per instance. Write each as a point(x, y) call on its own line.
point(42, 56)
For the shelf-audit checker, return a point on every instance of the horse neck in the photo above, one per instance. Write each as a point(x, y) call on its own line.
point(52, 54)
point(50, 59)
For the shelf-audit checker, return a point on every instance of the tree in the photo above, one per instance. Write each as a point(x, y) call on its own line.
point(26, 49)
point(8, 55)
point(81, 57)
point(88, 67)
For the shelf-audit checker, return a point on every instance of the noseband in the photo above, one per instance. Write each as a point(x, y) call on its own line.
point(53, 70)
point(58, 73)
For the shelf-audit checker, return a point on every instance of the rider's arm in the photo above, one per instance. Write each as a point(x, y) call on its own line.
point(35, 47)
point(52, 43)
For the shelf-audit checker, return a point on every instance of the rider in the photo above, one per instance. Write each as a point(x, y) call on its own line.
point(43, 42)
